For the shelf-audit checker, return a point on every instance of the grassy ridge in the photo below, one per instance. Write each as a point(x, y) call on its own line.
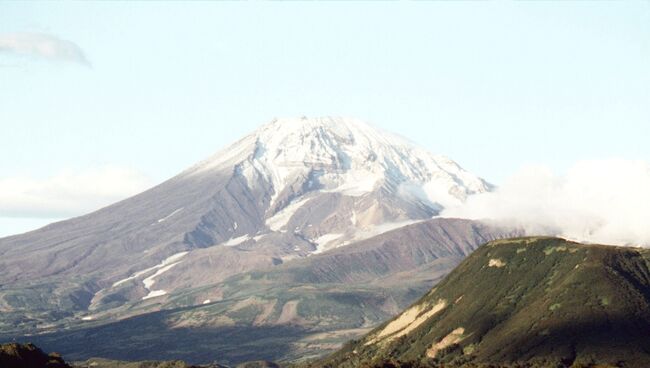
point(523, 302)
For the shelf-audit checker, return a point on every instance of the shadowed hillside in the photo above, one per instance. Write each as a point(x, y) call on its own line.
point(525, 302)
point(14, 355)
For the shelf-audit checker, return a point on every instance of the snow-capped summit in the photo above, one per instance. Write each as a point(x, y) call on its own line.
point(347, 156)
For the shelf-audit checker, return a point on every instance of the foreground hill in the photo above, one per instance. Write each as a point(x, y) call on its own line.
point(14, 355)
point(530, 302)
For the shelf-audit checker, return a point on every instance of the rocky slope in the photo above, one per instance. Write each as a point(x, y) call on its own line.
point(527, 302)
point(296, 310)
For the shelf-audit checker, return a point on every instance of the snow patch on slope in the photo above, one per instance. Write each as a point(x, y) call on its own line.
point(135, 275)
point(331, 241)
point(236, 241)
point(164, 266)
point(380, 229)
point(154, 293)
point(356, 183)
point(170, 215)
point(323, 242)
point(149, 281)
point(282, 217)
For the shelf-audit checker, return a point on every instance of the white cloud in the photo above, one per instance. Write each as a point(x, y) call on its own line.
point(605, 201)
point(12, 225)
point(68, 193)
point(43, 46)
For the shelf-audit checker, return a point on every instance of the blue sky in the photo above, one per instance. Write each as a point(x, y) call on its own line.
point(495, 86)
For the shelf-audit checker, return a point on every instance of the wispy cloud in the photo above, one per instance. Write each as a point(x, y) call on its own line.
point(69, 193)
point(43, 46)
point(604, 201)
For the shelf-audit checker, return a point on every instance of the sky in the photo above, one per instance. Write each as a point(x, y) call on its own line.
point(100, 100)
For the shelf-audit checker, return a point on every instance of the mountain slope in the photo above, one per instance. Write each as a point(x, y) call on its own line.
point(291, 189)
point(299, 309)
point(524, 302)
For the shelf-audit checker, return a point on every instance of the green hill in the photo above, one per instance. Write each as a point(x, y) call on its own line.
point(525, 302)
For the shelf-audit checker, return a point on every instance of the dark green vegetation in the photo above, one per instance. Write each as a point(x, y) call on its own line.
point(14, 355)
point(527, 302)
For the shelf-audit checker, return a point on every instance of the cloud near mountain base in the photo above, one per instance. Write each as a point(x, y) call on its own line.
point(69, 193)
point(600, 201)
